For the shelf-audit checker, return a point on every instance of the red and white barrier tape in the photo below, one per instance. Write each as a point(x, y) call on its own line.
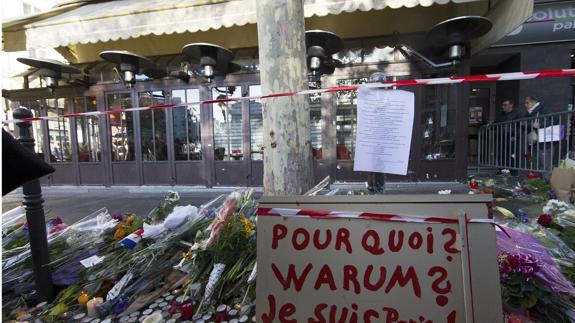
point(413, 82)
point(363, 215)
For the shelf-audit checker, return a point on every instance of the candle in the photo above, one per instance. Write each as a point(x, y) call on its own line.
point(91, 306)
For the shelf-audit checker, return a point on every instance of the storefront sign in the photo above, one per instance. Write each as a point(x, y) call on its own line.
point(553, 22)
point(384, 129)
point(317, 266)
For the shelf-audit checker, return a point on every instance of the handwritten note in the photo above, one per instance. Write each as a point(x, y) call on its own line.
point(384, 129)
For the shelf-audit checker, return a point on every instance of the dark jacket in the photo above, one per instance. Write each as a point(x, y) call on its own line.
point(513, 115)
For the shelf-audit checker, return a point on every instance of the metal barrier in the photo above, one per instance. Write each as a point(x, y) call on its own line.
point(531, 144)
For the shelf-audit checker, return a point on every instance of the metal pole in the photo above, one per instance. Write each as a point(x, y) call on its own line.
point(33, 203)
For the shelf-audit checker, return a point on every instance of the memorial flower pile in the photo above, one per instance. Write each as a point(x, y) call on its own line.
point(117, 267)
point(181, 263)
point(537, 261)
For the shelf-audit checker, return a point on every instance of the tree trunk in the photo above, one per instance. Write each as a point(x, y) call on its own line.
point(283, 68)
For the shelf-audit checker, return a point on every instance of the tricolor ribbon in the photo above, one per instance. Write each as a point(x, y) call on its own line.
point(132, 239)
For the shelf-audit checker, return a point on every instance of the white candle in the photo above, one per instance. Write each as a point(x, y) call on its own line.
point(91, 306)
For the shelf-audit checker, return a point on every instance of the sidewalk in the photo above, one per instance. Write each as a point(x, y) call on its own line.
point(72, 203)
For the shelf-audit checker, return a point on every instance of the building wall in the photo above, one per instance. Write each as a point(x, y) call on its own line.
point(554, 93)
point(10, 9)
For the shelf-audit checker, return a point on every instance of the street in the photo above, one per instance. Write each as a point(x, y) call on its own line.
point(74, 203)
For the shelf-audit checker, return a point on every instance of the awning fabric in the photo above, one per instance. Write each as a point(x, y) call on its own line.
point(123, 19)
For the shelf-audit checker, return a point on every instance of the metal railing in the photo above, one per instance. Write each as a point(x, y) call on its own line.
point(532, 144)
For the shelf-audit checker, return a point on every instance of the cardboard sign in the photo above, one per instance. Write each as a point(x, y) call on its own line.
point(313, 269)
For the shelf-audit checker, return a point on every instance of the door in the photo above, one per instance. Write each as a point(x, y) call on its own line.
point(125, 168)
point(91, 169)
point(230, 152)
point(60, 142)
point(156, 168)
point(189, 148)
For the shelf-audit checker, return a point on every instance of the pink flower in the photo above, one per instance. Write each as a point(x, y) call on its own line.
point(57, 228)
point(533, 175)
point(118, 217)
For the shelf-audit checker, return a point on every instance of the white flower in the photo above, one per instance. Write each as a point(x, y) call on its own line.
point(471, 192)
point(444, 192)
point(555, 207)
point(505, 171)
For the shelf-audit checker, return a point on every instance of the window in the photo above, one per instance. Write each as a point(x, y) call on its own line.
point(187, 125)
point(346, 118)
point(121, 127)
point(256, 124)
point(58, 132)
point(228, 134)
point(153, 126)
point(87, 131)
point(438, 122)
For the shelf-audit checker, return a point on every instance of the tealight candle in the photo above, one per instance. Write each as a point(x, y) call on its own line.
point(91, 306)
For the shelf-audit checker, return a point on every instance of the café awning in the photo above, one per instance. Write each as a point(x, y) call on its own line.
point(113, 21)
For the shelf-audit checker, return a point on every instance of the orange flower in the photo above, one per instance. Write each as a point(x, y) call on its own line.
point(120, 232)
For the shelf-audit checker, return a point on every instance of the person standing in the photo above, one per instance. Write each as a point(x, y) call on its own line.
point(509, 113)
point(538, 146)
point(508, 134)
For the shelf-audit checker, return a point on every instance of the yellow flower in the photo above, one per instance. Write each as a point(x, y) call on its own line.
point(249, 227)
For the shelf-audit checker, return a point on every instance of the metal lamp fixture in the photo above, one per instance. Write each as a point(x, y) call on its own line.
point(320, 46)
point(453, 34)
point(128, 63)
point(50, 70)
point(214, 60)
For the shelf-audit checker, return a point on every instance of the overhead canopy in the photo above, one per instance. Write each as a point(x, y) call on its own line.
point(127, 21)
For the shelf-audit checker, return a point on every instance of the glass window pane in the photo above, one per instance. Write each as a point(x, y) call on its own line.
point(121, 127)
point(228, 132)
point(59, 132)
point(315, 125)
point(438, 122)
point(187, 126)
point(87, 131)
point(256, 124)
point(346, 118)
point(153, 126)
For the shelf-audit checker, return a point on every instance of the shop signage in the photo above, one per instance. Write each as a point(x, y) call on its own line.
point(552, 22)
point(354, 269)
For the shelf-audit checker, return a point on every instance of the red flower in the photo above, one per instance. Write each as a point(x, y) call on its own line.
point(473, 185)
point(545, 220)
point(533, 175)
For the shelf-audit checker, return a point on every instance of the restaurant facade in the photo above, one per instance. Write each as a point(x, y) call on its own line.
point(222, 144)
